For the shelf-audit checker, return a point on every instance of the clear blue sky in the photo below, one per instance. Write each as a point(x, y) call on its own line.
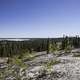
point(39, 18)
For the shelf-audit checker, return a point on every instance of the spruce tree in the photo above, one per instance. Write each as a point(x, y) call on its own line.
point(48, 45)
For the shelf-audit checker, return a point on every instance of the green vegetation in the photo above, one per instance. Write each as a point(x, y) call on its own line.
point(49, 63)
point(18, 62)
point(53, 47)
point(69, 43)
point(12, 48)
point(28, 56)
point(19, 59)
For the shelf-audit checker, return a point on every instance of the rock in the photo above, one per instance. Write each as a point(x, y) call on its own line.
point(36, 72)
point(3, 60)
point(76, 54)
point(3, 66)
point(10, 78)
point(76, 50)
point(67, 69)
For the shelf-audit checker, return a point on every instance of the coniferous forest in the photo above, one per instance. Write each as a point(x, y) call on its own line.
point(9, 48)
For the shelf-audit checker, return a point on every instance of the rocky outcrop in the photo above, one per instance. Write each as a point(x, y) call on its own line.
point(67, 69)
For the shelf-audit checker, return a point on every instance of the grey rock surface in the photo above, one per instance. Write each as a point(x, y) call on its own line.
point(67, 69)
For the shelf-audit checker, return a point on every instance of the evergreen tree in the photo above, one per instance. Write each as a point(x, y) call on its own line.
point(48, 45)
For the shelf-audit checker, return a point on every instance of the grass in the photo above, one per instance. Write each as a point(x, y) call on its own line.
point(49, 63)
point(28, 56)
point(20, 59)
point(18, 62)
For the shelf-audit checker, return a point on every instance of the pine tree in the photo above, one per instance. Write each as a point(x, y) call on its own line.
point(48, 45)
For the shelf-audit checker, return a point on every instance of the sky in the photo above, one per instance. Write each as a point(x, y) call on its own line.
point(39, 18)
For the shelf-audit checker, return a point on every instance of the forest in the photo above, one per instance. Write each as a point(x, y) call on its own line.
point(9, 48)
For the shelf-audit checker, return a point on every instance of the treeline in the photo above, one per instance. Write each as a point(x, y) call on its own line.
point(70, 42)
point(10, 48)
point(66, 43)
